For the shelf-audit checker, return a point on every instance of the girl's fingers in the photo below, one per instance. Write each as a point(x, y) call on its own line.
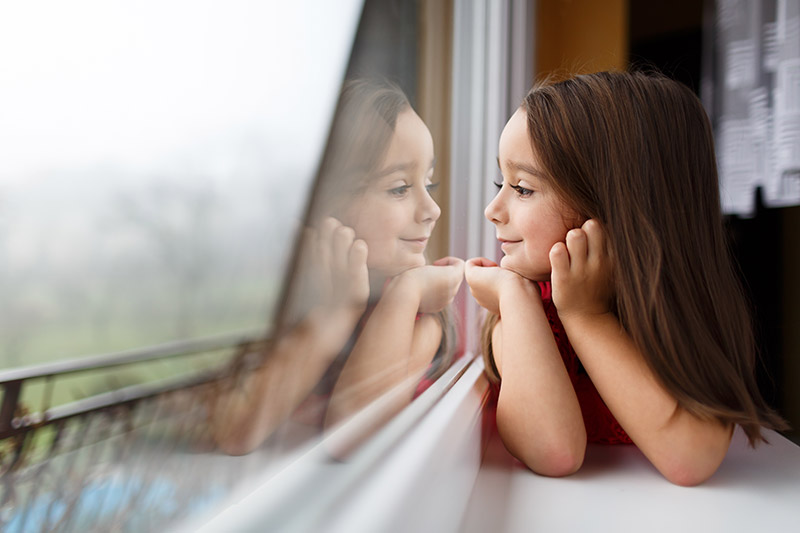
point(577, 247)
point(559, 260)
point(341, 243)
point(327, 227)
point(325, 236)
point(595, 238)
point(481, 262)
point(359, 274)
point(358, 255)
point(448, 261)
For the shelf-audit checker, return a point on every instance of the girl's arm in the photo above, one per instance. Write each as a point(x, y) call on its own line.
point(394, 347)
point(538, 415)
point(252, 406)
point(684, 448)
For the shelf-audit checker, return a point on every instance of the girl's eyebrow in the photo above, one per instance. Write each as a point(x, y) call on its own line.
point(399, 167)
point(523, 167)
point(409, 166)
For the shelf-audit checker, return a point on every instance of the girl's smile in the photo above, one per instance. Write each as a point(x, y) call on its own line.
point(528, 216)
point(396, 213)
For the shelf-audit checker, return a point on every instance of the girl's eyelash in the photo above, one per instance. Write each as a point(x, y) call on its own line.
point(522, 191)
point(397, 191)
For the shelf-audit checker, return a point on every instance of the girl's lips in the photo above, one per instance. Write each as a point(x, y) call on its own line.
point(504, 244)
point(417, 242)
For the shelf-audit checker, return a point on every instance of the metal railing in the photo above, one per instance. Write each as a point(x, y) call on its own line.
point(123, 460)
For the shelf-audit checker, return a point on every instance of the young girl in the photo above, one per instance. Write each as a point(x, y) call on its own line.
point(369, 312)
point(619, 317)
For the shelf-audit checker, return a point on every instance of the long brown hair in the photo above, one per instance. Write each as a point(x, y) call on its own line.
point(635, 151)
point(362, 130)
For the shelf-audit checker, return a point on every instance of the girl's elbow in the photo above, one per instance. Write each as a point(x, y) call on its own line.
point(559, 464)
point(695, 461)
point(687, 474)
point(692, 469)
point(558, 460)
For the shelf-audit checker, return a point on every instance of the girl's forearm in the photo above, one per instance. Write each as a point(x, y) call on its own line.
point(257, 403)
point(538, 414)
point(393, 348)
point(684, 448)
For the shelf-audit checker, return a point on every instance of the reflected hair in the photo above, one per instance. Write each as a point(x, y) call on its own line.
point(362, 130)
point(635, 151)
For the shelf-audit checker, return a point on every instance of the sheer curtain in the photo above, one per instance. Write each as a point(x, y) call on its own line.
point(752, 88)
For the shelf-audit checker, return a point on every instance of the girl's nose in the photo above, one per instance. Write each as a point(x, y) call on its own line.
point(496, 211)
point(428, 210)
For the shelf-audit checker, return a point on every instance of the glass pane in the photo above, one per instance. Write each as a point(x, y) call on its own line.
point(367, 315)
point(155, 161)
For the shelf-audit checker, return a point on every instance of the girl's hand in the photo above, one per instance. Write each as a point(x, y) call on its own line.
point(335, 268)
point(436, 284)
point(487, 281)
point(582, 276)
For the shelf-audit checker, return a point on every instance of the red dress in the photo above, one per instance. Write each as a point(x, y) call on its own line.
point(601, 426)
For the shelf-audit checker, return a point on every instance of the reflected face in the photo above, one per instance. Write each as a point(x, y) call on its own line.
point(528, 216)
point(396, 214)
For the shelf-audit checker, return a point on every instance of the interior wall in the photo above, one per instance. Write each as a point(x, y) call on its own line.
point(580, 36)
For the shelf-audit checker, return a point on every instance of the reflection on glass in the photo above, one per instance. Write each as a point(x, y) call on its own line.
point(367, 315)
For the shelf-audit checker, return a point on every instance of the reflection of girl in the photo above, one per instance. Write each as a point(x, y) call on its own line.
point(609, 201)
point(364, 280)
point(379, 179)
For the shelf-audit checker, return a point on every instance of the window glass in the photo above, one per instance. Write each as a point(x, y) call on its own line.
point(155, 161)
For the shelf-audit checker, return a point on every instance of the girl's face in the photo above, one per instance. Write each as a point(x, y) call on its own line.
point(395, 215)
point(528, 216)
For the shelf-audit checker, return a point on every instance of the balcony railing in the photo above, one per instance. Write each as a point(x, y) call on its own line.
point(129, 459)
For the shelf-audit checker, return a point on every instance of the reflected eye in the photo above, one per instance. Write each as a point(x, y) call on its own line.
point(522, 191)
point(399, 191)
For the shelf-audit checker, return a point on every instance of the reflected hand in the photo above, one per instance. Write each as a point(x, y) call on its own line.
point(342, 261)
point(436, 284)
point(582, 277)
point(487, 281)
point(333, 283)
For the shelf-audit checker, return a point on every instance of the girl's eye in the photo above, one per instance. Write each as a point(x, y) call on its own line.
point(522, 191)
point(399, 191)
point(498, 184)
point(431, 187)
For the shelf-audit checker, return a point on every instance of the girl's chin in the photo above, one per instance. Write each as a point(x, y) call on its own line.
point(390, 271)
point(526, 273)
